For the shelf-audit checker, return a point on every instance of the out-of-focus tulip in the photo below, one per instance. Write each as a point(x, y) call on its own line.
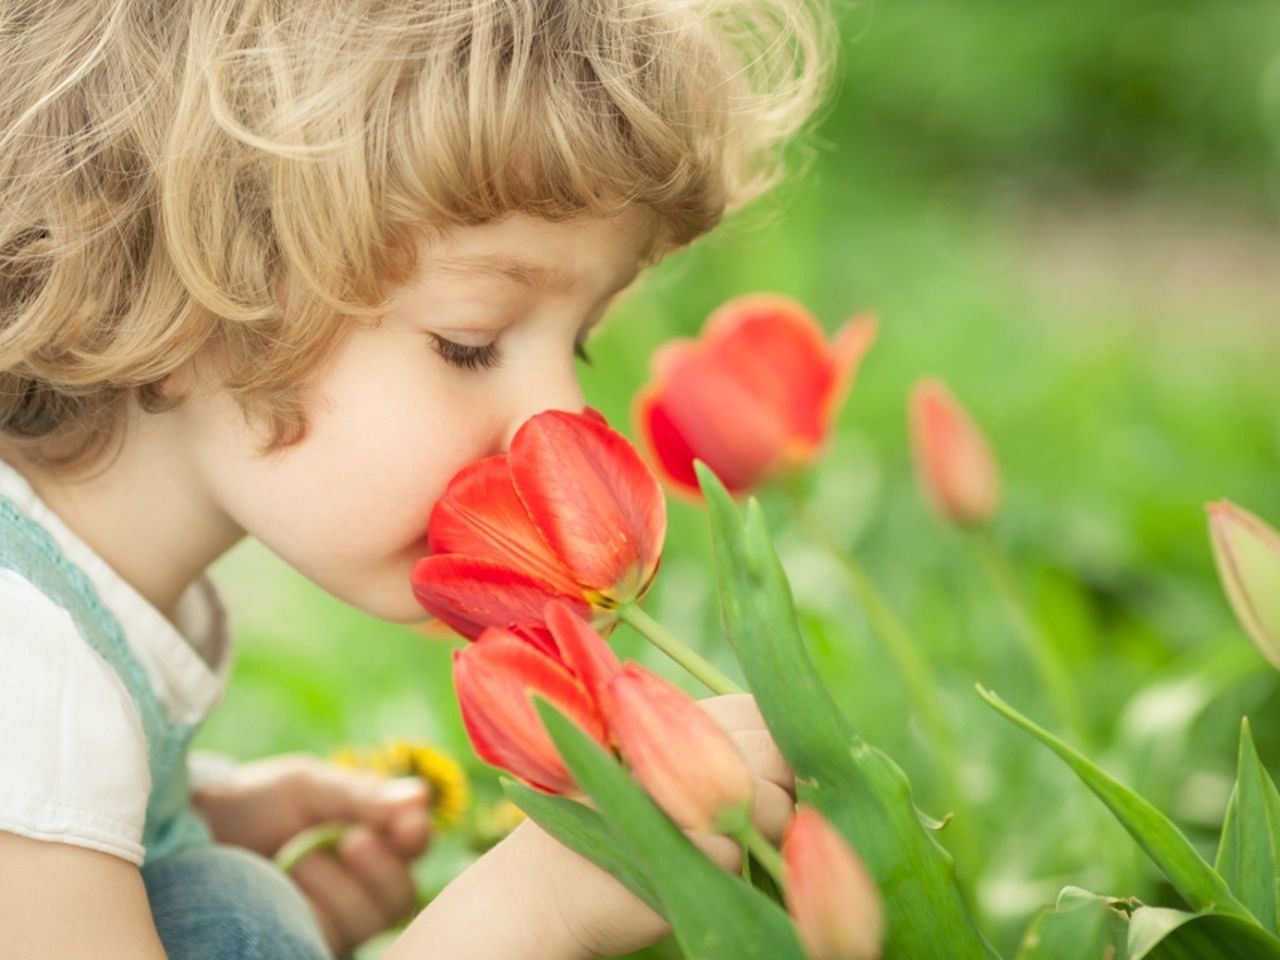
point(565, 662)
point(953, 461)
point(570, 511)
point(753, 397)
point(1247, 552)
point(686, 762)
point(830, 894)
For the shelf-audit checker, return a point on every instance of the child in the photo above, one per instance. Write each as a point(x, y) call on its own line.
point(281, 268)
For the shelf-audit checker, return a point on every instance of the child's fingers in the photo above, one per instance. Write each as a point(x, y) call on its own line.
point(371, 860)
point(765, 759)
point(733, 711)
point(738, 714)
point(348, 913)
point(723, 851)
point(771, 810)
point(329, 792)
point(409, 832)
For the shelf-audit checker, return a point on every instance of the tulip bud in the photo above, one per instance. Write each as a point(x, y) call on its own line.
point(1247, 553)
point(830, 894)
point(680, 755)
point(953, 462)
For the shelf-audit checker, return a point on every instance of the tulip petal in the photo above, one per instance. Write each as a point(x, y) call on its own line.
point(494, 678)
point(480, 516)
point(779, 354)
point(682, 757)
point(537, 636)
point(667, 446)
point(470, 594)
point(592, 499)
point(728, 425)
point(582, 649)
point(848, 347)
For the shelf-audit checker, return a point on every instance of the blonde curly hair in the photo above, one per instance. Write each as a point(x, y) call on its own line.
point(246, 174)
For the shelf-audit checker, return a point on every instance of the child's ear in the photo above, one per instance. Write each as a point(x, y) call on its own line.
point(199, 371)
point(179, 381)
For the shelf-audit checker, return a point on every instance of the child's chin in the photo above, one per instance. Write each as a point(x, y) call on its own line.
point(394, 608)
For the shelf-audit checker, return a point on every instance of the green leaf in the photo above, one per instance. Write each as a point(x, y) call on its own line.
point(1082, 926)
point(1249, 851)
point(1155, 833)
point(857, 787)
point(582, 830)
point(714, 914)
point(1156, 933)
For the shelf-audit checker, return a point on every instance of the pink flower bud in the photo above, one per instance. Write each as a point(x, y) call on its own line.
point(1247, 552)
point(953, 462)
point(830, 894)
point(680, 755)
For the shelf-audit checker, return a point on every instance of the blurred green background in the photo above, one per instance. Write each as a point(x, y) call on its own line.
point(1068, 211)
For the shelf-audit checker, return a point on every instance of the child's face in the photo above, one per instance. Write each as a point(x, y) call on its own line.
point(391, 419)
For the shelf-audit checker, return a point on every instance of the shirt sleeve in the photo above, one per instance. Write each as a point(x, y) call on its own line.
point(73, 752)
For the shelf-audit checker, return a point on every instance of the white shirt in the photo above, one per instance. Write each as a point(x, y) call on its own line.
point(73, 754)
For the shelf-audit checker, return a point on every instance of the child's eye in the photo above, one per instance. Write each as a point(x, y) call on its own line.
point(467, 357)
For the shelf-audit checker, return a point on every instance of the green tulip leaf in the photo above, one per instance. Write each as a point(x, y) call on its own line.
point(1156, 933)
point(715, 914)
point(1163, 842)
point(859, 789)
point(583, 831)
point(1081, 926)
point(1249, 851)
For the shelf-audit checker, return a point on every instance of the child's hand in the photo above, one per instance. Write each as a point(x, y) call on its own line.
point(603, 916)
point(361, 887)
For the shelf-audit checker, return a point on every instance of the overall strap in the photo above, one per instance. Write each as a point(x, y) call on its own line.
point(29, 550)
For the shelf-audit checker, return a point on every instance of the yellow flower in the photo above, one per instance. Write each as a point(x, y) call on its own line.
point(450, 791)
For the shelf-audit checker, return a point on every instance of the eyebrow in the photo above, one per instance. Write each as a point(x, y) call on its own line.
point(515, 269)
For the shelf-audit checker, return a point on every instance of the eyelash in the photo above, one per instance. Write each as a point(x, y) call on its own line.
point(467, 357)
point(483, 358)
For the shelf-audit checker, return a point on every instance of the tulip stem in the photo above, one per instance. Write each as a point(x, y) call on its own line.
point(906, 655)
point(320, 837)
point(668, 643)
point(763, 851)
point(1035, 645)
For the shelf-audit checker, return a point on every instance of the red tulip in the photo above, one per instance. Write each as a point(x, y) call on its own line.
point(566, 662)
point(570, 511)
point(830, 894)
point(680, 755)
point(753, 397)
point(953, 462)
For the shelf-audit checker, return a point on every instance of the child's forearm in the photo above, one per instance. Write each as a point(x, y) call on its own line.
point(496, 910)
